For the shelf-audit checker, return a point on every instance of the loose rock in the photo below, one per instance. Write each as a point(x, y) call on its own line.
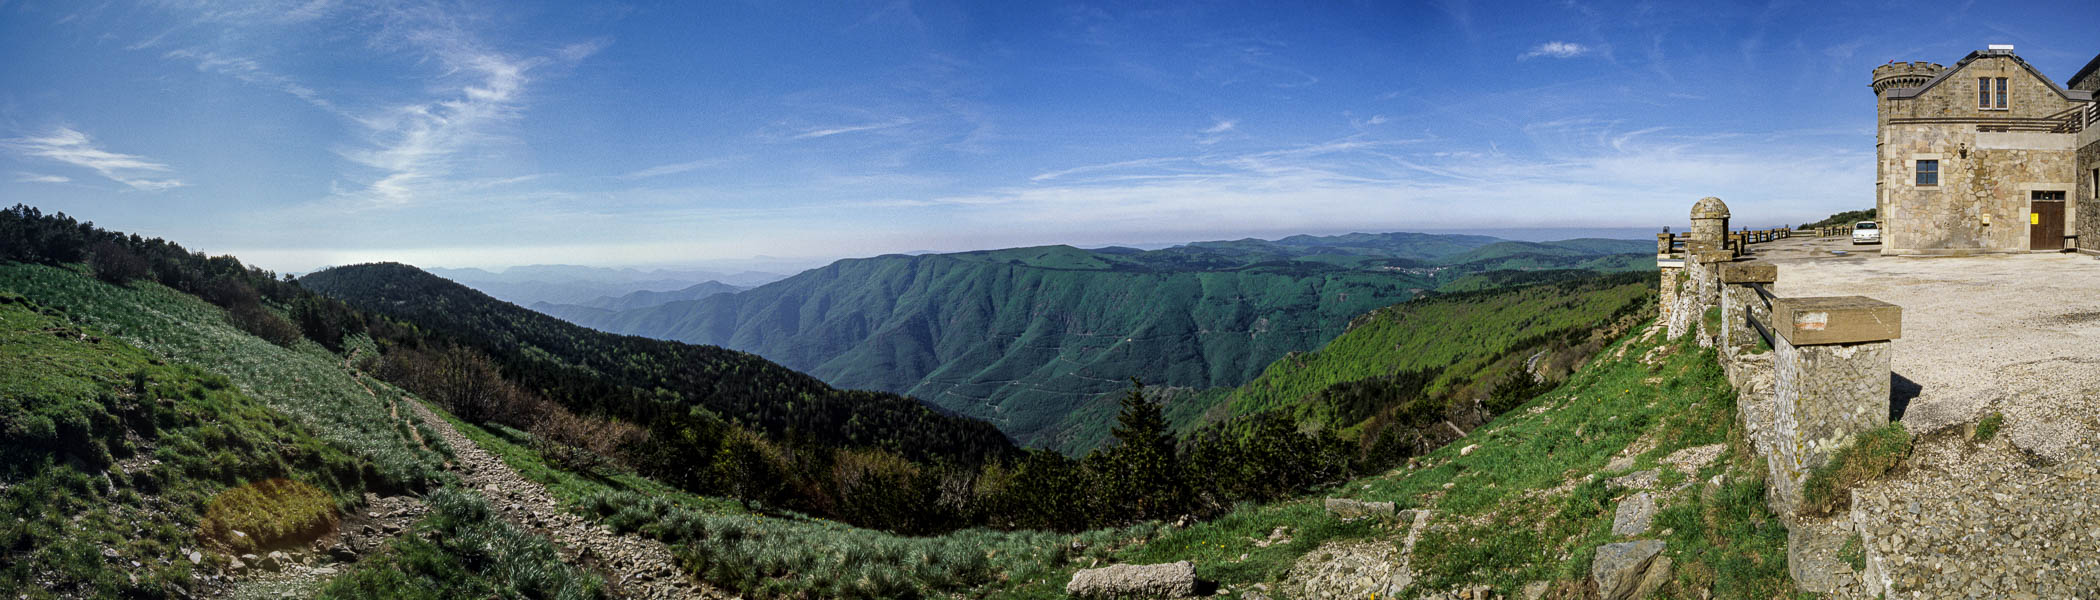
point(1170, 580)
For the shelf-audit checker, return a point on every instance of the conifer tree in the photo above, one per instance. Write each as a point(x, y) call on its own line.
point(1141, 475)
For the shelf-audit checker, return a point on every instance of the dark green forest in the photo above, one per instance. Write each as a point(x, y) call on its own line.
point(1040, 340)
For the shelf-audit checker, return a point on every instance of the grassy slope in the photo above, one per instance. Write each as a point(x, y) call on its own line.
point(1467, 335)
point(243, 410)
point(74, 403)
point(1502, 522)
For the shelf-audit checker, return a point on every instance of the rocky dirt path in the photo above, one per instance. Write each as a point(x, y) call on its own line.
point(635, 567)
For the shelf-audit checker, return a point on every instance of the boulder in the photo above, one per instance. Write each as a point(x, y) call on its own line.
point(196, 557)
point(1636, 513)
point(1170, 580)
point(1620, 569)
point(1358, 509)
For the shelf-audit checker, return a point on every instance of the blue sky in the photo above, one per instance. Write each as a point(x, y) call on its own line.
point(316, 132)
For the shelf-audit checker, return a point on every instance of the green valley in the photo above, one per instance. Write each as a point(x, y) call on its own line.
point(1025, 338)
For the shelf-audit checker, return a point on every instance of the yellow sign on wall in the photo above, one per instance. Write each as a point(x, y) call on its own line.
point(2034, 218)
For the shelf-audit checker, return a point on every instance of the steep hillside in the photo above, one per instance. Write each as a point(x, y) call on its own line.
point(154, 448)
point(1426, 358)
point(1023, 337)
point(642, 379)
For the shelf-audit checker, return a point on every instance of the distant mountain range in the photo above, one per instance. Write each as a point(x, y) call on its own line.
point(583, 286)
point(1022, 337)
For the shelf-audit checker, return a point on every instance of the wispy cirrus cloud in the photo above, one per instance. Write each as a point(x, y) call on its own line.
point(673, 169)
point(70, 146)
point(1556, 49)
point(831, 131)
point(41, 178)
point(249, 71)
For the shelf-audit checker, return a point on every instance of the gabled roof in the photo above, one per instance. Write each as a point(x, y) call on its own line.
point(2075, 96)
point(2090, 67)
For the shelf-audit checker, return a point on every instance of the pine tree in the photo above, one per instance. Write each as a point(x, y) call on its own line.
point(1141, 474)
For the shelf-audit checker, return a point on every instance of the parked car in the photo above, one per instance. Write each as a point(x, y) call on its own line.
point(1866, 232)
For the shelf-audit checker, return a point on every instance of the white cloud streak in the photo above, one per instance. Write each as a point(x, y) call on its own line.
point(69, 146)
point(41, 178)
point(673, 169)
point(831, 131)
point(1556, 49)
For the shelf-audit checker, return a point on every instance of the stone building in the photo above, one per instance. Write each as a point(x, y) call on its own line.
point(1988, 155)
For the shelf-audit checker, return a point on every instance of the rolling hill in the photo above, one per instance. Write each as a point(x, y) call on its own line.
point(1023, 337)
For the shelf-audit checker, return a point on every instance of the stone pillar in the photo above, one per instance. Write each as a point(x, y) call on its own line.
point(1830, 383)
point(1700, 290)
point(1710, 221)
point(1662, 245)
point(1736, 338)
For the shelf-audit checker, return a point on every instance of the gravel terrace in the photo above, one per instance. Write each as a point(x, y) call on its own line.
point(2017, 516)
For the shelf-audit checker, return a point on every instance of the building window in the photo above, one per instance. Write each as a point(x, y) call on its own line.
point(1984, 85)
point(1928, 172)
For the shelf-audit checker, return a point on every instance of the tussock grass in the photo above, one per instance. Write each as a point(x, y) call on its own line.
point(783, 558)
point(463, 549)
point(304, 381)
point(267, 513)
point(106, 449)
point(1868, 456)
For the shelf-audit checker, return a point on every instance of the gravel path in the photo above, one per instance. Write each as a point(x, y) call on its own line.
point(636, 567)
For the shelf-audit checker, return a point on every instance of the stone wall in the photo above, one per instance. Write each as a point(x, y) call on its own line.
point(2087, 196)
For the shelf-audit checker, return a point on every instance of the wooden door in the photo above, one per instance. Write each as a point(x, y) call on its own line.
point(2045, 230)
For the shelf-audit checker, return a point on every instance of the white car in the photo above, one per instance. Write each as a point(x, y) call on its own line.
point(1866, 232)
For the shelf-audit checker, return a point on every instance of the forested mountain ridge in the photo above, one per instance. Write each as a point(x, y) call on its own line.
point(1023, 337)
point(644, 378)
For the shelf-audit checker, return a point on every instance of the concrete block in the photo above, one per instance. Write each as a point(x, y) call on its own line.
point(1836, 320)
point(1755, 271)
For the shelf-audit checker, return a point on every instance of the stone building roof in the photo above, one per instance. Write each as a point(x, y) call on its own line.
point(2072, 95)
point(2076, 82)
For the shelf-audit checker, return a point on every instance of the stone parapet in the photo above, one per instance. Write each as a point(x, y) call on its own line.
point(1836, 320)
point(1823, 396)
point(1749, 272)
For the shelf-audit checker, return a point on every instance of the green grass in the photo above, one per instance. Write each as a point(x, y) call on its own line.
point(1868, 456)
point(1988, 427)
point(305, 382)
point(463, 549)
point(1500, 525)
point(1467, 336)
point(783, 558)
point(109, 448)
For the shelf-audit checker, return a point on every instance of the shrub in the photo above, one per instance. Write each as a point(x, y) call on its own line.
point(1988, 428)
